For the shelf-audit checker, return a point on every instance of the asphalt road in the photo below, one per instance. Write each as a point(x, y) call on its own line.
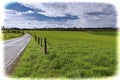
point(13, 48)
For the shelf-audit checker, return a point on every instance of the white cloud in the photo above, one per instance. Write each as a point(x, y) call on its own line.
point(60, 9)
point(22, 13)
point(28, 12)
point(12, 19)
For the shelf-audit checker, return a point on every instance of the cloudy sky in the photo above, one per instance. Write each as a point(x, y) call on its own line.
point(39, 15)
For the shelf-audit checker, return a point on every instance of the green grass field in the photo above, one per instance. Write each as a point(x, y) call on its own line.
point(70, 54)
point(7, 36)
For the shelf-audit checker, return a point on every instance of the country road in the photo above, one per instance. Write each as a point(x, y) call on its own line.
point(13, 48)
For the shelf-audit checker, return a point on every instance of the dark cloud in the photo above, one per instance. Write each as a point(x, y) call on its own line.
point(98, 13)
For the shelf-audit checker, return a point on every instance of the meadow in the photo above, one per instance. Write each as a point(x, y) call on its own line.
point(70, 54)
point(7, 36)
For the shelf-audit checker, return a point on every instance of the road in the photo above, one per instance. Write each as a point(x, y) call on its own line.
point(13, 48)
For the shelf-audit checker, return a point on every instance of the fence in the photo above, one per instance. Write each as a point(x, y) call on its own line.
point(37, 39)
point(40, 42)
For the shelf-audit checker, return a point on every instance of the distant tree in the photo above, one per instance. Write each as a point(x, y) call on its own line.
point(3, 27)
point(14, 28)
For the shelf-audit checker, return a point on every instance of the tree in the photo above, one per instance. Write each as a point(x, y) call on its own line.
point(3, 28)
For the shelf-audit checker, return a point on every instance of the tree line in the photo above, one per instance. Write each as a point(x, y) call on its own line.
point(63, 29)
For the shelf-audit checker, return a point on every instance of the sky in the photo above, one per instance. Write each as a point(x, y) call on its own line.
point(60, 14)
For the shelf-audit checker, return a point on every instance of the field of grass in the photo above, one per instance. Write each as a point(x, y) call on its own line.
point(7, 36)
point(70, 54)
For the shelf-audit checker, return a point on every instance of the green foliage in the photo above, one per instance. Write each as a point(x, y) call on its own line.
point(70, 54)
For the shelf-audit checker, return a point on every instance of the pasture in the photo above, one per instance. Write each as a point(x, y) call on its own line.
point(7, 36)
point(70, 54)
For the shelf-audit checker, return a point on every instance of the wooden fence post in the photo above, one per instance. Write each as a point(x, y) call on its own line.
point(45, 45)
point(35, 38)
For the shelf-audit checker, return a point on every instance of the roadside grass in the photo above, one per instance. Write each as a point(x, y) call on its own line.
point(70, 55)
point(7, 36)
point(1, 37)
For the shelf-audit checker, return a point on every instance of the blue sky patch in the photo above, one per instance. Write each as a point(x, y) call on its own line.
point(17, 6)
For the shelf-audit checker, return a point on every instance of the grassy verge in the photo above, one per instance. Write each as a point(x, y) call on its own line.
point(1, 37)
point(7, 36)
point(70, 55)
